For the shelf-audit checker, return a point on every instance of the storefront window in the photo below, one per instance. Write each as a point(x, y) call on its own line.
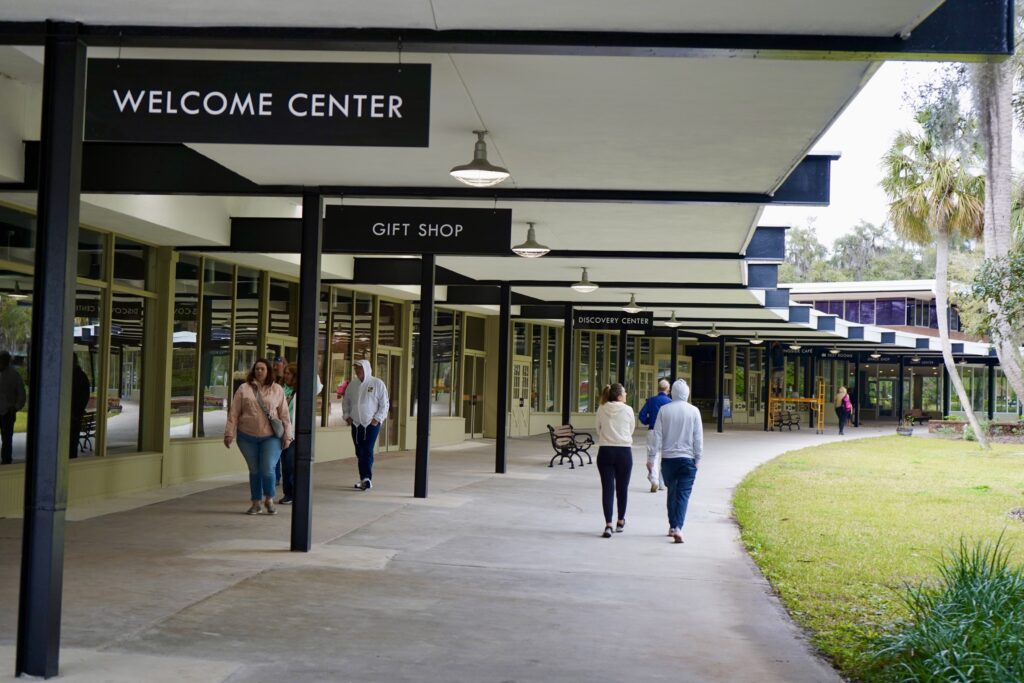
point(341, 355)
point(185, 339)
point(364, 328)
point(389, 325)
point(215, 358)
point(17, 236)
point(442, 378)
point(536, 351)
point(519, 339)
point(583, 378)
point(88, 347)
point(475, 335)
point(131, 262)
point(124, 380)
point(283, 308)
point(551, 368)
point(91, 254)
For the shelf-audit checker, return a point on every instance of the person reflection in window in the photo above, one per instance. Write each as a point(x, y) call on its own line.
point(81, 387)
point(12, 399)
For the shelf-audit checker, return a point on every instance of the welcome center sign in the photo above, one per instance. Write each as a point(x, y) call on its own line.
point(265, 103)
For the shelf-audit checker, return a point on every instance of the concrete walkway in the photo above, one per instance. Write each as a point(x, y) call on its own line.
point(491, 578)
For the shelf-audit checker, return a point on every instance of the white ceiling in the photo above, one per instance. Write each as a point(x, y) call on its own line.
point(815, 17)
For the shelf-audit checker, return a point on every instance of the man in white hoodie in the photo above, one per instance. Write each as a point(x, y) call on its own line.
point(679, 435)
point(366, 406)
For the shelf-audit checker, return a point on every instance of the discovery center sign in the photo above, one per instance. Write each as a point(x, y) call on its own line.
point(262, 103)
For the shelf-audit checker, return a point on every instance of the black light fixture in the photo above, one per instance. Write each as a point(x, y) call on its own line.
point(531, 248)
point(479, 172)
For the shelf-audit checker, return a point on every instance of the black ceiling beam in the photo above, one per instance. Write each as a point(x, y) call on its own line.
point(960, 29)
point(173, 169)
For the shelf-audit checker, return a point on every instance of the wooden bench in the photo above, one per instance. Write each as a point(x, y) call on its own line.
point(918, 416)
point(567, 443)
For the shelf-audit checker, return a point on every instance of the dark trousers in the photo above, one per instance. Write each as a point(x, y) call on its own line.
point(288, 471)
point(615, 464)
point(679, 474)
point(7, 437)
point(842, 416)
point(365, 438)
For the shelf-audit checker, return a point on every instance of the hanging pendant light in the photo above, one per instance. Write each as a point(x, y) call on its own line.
point(915, 359)
point(530, 248)
point(632, 306)
point(876, 355)
point(479, 172)
point(713, 332)
point(756, 340)
point(834, 350)
point(672, 322)
point(795, 346)
point(584, 286)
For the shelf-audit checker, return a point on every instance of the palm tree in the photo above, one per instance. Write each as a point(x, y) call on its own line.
point(933, 195)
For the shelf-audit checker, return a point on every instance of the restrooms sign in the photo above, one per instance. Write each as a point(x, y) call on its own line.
point(263, 103)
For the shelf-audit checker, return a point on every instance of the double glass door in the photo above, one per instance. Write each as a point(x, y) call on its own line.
point(389, 368)
point(473, 395)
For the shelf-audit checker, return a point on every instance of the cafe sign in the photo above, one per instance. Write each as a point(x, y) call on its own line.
point(612, 320)
point(263, 103)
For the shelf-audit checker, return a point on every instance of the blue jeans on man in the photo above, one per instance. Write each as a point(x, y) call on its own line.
point(365, 438)
point(679, 474)
point(261, 454)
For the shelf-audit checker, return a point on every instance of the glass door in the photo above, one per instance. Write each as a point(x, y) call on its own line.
point(519, 424)
point(473, 395)
point(389, 368)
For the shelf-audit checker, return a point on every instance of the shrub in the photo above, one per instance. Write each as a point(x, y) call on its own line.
point(967, 627)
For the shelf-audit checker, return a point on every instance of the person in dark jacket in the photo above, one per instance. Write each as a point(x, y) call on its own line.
point(80, 389)
point(648, 416)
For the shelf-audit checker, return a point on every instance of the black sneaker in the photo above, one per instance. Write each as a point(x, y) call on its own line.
point(287, 500)
point(607, 532)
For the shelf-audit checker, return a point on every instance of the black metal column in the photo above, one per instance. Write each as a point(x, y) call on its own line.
point(945, 391)
point(991, 391)
point(424, 358)
point(305, 403)
point(721, 384)
point(504, 329)
point(673, 373)
point(46, 468)
point(899, 392)
point(767, 384)
point(567, 373)
point(856, 389)
point(623, 340)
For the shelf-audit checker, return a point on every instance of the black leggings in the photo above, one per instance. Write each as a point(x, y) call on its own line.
point(615, 463)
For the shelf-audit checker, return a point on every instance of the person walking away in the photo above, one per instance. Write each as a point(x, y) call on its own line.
point(252, 407)
point(648, 415)
point(12, 399)
point(679, 437)
point(291, 390)
point(615, 424)
point(81, 387)
point(365, 407)
point(843, 408)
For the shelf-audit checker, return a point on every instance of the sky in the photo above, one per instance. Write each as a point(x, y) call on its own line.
point(861, 135)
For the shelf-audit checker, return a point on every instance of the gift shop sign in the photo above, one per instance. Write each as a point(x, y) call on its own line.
point(417, 230)
point(612, 320)
point(275, 103)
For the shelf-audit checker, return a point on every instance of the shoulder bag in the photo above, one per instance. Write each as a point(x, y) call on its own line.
point(275, 423)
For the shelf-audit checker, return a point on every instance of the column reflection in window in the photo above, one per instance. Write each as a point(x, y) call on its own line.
point(215, 348)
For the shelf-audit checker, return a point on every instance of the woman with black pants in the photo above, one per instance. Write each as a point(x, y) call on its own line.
point(615, 424)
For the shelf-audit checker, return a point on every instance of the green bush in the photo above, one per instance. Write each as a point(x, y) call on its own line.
point(967, 627)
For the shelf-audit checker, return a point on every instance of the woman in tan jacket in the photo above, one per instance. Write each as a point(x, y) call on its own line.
point(249, 420)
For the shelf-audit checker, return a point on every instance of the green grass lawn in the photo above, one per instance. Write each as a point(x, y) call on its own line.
point(840, 529)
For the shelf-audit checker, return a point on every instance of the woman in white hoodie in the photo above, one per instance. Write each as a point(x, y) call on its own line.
point(615, 424)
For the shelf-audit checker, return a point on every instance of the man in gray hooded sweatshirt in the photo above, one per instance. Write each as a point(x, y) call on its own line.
point(679, 435)
point(365, 406)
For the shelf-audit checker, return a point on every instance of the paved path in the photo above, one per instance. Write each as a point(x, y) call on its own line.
point(492, 578)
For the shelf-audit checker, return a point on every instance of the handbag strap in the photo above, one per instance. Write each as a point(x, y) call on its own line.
point(259, 399)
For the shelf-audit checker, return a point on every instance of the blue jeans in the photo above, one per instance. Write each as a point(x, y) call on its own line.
point(261, 454)
point(679, 474)
point(365, 438)
point(288, 470)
